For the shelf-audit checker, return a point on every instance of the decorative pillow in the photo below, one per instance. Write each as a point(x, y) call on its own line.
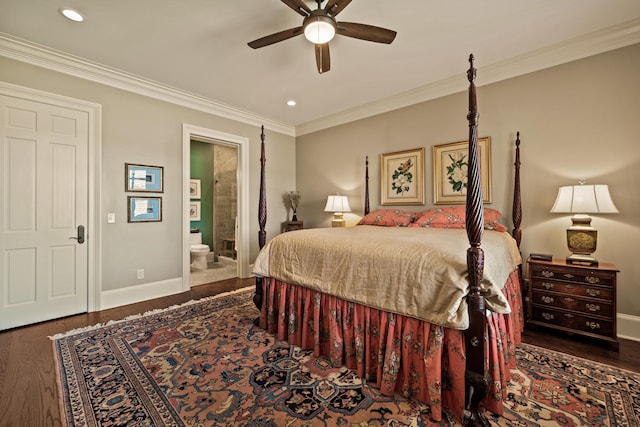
point(454, 217)
point(389, 218)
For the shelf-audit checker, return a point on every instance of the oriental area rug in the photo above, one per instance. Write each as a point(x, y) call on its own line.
point(204, 363)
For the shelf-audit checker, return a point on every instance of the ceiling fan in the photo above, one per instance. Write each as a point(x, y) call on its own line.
point(320, 25)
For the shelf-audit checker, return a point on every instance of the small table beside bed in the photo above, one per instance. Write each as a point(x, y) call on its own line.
point(424, 304)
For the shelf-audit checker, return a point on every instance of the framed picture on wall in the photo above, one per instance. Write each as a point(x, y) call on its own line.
point(141, 178)
point(450, 162)
point(194, 189)
point(194, 211)
point(144, 209)
point(402, 177)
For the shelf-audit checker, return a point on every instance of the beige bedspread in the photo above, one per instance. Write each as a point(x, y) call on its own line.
point(419, 272)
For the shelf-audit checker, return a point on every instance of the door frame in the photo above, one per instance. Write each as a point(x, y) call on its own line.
point(190, 132)
point(94, 163)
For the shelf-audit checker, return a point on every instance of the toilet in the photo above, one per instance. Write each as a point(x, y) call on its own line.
point(199, 252)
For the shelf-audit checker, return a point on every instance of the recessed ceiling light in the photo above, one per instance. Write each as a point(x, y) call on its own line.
point(291, 103)
point(72, 15)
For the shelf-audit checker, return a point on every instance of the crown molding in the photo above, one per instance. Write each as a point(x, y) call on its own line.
point(591, 44)
point(34, 54)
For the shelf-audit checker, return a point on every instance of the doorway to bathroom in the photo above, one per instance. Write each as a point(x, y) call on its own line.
point(213, 211)
point(231, 239)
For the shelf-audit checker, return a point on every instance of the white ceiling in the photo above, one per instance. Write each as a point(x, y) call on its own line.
point(200, 47)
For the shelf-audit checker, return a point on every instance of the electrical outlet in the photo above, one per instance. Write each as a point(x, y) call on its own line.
point(140, 274)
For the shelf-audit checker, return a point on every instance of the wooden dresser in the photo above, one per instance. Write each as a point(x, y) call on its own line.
point(574, 298)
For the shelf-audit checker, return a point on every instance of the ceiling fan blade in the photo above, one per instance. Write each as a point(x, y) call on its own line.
point(334, 7)
point(323, 60)
point(275, 38)
point(298, 6)
point(366, 32)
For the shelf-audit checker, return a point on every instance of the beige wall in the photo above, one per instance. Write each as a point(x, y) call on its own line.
point(138, 129)
point(578, 120)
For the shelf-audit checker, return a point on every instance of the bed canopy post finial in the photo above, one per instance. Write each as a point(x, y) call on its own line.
point(366, 185)
point(262, 219)
point(517, 201)
point(477, 385)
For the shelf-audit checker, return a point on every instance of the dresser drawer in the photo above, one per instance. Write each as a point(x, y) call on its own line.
point(582, 275)
point(580, 290)
point(569, 302)
point(578, 322)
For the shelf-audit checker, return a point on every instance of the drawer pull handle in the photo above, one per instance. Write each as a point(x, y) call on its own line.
point(592, 307)
point(569, 299)
point(593, 292)
point(547, 273)
point(569, 315)
point(569, 276)
point(592, 325)
point(592, 279)
point(546, 299)
point(547, 316)
point(568, 286)
point(547, 285)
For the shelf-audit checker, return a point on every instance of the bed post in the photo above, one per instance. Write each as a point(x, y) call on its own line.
point(366, 185)
point(477, 385)
point(517, 202)
point(262, 220)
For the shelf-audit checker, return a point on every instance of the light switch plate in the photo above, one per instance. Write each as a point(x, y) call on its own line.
point(111, 218)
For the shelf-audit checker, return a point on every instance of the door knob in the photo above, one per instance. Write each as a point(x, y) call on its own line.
point(80, 236)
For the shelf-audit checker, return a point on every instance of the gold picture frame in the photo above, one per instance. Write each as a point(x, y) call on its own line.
point(450, 162)
point(402, 177)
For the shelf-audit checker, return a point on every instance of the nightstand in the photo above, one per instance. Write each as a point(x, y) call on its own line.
point(574, 298)
point(292, 225)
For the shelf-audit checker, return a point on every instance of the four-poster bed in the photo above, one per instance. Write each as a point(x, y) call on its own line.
point(417, 313)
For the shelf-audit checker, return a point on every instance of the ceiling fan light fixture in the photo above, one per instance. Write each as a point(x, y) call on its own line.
point(319, 29)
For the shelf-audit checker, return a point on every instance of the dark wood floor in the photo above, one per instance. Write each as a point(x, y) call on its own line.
point(28, 391)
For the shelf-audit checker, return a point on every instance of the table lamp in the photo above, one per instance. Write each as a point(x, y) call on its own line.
point(582, 200)
point(337, 205)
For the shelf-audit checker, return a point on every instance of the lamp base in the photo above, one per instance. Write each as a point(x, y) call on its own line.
point(582, 240)
point(580, 259)
point(338, 220)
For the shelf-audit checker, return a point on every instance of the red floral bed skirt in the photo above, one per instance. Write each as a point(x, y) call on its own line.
point(398, 354)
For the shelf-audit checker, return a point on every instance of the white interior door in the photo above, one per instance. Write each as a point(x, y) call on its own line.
point(43, 207)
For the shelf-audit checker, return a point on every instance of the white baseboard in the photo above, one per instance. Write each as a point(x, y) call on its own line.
point(628, 327)
point(133, 294)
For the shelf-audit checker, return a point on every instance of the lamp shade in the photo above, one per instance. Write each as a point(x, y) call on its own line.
point(319, 29)
point(584, 199)
point(337, 204)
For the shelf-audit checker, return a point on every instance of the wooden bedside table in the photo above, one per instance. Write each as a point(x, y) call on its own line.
point(292, 225)
point(574, 298)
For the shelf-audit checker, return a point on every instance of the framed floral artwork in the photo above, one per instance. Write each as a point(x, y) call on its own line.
point(194, 188)
point(194, 211)
point(450, 163)
point(402, 177)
